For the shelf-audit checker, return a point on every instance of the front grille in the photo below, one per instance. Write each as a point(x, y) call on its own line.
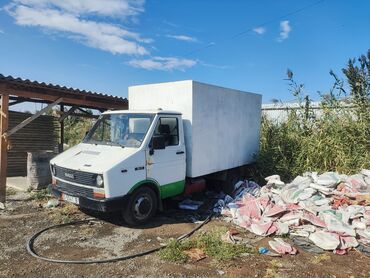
point(79, 177)
point(75, 190)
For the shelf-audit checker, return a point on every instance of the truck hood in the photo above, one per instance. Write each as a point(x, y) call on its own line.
point(92, 158)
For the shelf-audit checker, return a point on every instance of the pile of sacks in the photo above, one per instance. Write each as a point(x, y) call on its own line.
point(332, 211)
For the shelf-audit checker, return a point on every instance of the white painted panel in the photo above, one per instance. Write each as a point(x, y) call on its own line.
point(125, 174)
point(221, 125)
point(225, 128)
point(166, 166)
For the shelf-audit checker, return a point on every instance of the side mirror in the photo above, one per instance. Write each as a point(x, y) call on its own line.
point(158, 142)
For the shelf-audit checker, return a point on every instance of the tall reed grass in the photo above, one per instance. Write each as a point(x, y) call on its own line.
point(337, 140)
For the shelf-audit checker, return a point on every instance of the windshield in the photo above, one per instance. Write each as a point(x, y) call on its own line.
point(126, 130)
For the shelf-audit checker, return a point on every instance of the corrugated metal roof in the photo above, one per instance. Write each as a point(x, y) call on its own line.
point(43, 85)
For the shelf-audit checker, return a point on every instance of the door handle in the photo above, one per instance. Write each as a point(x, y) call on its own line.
point(139, 168)
point(180, 152)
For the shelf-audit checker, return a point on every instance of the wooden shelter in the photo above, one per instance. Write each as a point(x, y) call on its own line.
point(15, 90)
point(41, 135)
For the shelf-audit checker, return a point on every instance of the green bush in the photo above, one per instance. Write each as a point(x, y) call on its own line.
point(337, 140)
point(75, 129)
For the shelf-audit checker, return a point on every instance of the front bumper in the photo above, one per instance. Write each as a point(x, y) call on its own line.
point(103, 205)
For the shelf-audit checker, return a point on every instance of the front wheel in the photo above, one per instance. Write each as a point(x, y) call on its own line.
point(141, 206)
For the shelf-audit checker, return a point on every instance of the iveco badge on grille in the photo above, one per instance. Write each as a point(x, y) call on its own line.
point(69, 175)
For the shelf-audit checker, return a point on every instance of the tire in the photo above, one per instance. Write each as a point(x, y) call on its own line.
point(141, 206)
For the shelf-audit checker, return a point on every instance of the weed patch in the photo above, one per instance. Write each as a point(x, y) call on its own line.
point(174, 252)
point(10, 191)
point(211, 243)
point(41, 195)
point(63, 214)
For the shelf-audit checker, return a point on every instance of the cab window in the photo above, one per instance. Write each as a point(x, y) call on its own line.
point(169, 128)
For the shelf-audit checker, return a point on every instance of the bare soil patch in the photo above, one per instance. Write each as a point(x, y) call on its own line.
point(111, 237)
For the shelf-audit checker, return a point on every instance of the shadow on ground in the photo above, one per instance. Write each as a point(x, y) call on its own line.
point(170, 214)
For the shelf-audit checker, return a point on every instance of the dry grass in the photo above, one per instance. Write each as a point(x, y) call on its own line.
point(320, 258)
point(10, 191)
point(64, 213)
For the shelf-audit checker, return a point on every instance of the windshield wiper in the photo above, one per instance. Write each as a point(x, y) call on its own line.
point(106, 143)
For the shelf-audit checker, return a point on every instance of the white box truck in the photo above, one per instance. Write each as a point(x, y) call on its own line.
point(172, 134)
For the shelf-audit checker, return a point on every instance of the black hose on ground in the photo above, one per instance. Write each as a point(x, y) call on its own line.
point(31, 241)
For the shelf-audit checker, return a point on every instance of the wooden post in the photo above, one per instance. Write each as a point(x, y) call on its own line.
point(61, 145)
point(4, 117)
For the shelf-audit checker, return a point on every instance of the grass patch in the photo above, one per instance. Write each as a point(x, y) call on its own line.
point(41, 195)
point(64, 214)
point(173, 252)
point(10, 191)
point(214, 247)
point(211, 243)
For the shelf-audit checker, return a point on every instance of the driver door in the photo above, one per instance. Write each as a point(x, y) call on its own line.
point(167, 166)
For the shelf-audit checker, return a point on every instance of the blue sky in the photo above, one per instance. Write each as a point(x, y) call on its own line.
point(106, 46)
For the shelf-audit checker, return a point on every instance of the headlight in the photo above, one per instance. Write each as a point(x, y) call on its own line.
point(99, 181)
point(53, 170)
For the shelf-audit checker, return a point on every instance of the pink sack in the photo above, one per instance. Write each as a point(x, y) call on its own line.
point(313, 219)
point(274, 210)
point(282, 247)
point(263, 229)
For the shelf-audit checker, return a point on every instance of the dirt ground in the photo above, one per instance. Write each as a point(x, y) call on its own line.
point(110, 237)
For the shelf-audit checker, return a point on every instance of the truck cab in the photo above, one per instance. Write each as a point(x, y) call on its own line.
point(128, 161)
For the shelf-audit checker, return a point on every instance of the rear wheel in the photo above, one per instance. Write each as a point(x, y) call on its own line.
point(233, 176)
point(141, 206)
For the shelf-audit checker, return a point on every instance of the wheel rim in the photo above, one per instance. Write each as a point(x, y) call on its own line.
point(143, 206)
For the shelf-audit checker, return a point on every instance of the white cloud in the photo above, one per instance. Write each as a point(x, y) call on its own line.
point(163, 63)
point(285, 30)
point(259, 30)
point(69, 18)
point(121, 8)
point(182, 38)
point(221, 67)
point(90, 23)
point(169, 23)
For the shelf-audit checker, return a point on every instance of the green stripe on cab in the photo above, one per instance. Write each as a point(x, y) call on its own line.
point(166, 190)
point(172, 189)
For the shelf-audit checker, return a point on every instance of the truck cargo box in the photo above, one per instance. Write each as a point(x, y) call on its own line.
point(222, 126)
